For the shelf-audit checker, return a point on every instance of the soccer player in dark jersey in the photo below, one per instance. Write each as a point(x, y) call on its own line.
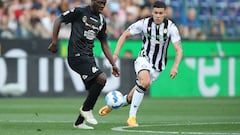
point(157, 32)
point(87, 24)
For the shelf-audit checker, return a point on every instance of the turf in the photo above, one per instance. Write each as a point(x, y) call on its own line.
point(55, 116)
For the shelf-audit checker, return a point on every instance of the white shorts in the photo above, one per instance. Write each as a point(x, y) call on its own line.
point(143, 63)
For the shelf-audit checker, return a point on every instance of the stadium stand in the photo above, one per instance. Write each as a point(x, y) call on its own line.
point(34, 18)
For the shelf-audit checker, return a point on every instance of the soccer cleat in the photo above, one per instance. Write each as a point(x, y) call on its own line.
point(82, 126)
point(88, 116)
point(104, 110)
point(132, 122)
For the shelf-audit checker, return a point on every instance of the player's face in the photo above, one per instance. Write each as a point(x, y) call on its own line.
point(98, 5)
point(158, 15)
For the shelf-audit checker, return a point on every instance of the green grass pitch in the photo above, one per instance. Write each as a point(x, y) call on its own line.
point(164, 116)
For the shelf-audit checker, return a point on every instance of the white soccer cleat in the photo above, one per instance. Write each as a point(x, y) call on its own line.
point(88, 116)
point(82, 126)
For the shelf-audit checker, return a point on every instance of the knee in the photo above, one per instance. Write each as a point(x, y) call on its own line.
point(145, 84)
point(102, 79)
point(144, 79)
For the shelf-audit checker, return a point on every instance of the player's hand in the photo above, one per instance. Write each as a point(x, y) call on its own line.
point(53, 48)
point(173, 73)
point(115, 71)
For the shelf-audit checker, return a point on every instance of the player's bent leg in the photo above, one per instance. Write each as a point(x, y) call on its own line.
point(103, 111)
point(95, 88)
point(136, 101)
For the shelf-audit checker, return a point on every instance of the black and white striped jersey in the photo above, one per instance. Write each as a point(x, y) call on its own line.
point(155, 39)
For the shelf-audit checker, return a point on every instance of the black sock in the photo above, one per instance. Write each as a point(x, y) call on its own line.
point(79, 120)
point(93, 93)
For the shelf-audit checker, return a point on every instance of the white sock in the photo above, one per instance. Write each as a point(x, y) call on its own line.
point(136, 101)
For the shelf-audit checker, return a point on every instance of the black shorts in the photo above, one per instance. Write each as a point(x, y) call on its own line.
point(85, 66)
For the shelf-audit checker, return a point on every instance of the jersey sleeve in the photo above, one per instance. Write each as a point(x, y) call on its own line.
point(174, 33)
point(102, 34)
point(136, 28)
point(70, 15)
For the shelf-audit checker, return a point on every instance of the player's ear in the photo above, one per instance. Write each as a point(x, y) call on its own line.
point(165, 13)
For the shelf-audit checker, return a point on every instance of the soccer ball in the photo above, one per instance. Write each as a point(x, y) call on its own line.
point(114, 99)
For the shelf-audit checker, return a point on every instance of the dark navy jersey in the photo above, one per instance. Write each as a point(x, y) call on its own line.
point(86, 26)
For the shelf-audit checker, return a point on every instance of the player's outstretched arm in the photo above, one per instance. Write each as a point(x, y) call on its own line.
point(120, 43)
point(56, 28)
point(108, 54)
point(178, 58)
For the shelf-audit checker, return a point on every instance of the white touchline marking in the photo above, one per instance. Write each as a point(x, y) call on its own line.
point(125, 128)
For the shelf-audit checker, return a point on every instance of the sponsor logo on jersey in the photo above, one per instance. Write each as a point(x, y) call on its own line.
point(95, 20)
point(94, 69)
point(92, 26)
point(90, 34)
point(84, 19)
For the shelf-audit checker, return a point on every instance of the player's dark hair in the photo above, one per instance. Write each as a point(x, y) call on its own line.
point(159, 4)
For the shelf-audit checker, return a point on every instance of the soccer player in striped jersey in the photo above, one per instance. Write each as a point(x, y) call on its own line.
point(157, 32)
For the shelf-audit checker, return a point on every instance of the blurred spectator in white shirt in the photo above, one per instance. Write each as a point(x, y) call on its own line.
point(5, 32)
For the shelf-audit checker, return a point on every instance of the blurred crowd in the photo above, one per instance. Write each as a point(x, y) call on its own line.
point(196, 19)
